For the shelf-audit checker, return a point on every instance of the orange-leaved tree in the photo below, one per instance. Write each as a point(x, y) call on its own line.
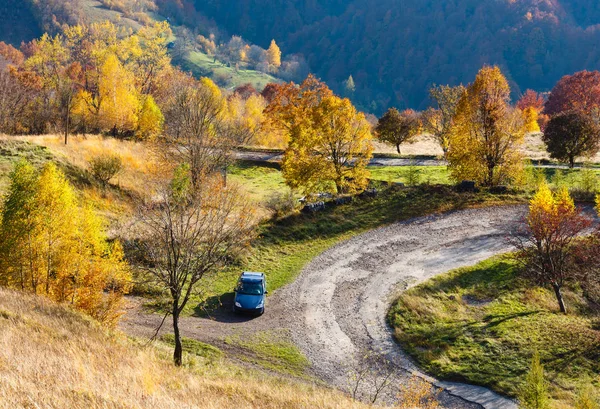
point(52, 245)
point(546, 244)
point(329, 140)
point(396, 127)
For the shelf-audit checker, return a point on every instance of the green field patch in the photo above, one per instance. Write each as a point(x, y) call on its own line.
point(272, 350)
point(195, 347)
point(482, 324)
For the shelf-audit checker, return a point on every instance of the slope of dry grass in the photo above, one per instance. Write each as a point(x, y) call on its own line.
point(51, 357)
point(139, 164)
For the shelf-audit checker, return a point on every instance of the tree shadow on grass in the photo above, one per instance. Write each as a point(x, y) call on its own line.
point(497, 319)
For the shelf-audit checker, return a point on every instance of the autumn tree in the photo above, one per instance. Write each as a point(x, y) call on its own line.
point(118, 97)
point(245, 91)
point(571, 135)
point(531, 105)
point(270, 91)
point(438, 122)
point(274, 55)
point(148, 57)
point(329, 141)
point(198, 128)
point(396, 127)
point(546, 243)
point(189, 233)
point(150, 119)
point(578, 92)
point(487, 133)
point(54, 246)
point(48, 60)
point(247, 119)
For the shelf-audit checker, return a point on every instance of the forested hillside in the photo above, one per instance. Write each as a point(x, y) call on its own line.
point(395, 49)
point(17, 22)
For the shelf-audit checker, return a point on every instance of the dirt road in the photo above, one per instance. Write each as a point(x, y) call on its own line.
point(337, 306)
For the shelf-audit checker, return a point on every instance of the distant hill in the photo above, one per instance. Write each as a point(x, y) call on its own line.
point(395, 49)
point(25, 20)
point(17, 22)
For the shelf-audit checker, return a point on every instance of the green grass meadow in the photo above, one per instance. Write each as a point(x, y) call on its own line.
point(482, 325)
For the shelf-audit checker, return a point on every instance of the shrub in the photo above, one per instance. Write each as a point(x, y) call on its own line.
point(534, 392)
point(412, 174)
point(105, 167)
point(282, 203)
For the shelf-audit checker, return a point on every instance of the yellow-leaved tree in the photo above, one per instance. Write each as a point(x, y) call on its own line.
point(330, 142)
point(150, 119)
point(119, 102)
point(547, 244)
point(487, 133)
point(51, 245)
point(274, 55)
point(530, 116)
point(247, 117)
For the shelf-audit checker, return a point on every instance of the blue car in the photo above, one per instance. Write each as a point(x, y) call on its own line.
point(250, 293)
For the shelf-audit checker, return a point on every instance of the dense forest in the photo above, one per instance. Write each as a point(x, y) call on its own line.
point(17, 22)
point(380, 54)
point(395, 49)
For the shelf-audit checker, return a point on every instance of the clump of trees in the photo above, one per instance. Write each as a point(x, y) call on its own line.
point(53, 245)
point(95, 78)
point(531, 105)
point(574, 109)
point(238, 53)
point(329, 140)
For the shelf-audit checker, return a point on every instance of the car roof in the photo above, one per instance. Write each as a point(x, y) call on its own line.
point(253, 276)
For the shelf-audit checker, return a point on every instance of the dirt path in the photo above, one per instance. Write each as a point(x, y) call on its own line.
point(342, 297)
point(337, 307)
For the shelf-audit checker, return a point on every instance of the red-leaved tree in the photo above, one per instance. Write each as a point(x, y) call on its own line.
point(577, 92)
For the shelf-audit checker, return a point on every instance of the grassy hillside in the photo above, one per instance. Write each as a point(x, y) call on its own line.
point(94, 11)
point(203, 65)
point(482, 325)
point(52, 357)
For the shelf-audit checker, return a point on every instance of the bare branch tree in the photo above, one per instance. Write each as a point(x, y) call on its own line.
point(369, 375)
point(191, 232)
point(199, 129)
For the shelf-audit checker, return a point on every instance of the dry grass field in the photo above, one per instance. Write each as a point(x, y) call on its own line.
point(51, 357)
point(424, 146)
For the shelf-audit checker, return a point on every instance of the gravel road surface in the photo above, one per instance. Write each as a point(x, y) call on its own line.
point(337, 307)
